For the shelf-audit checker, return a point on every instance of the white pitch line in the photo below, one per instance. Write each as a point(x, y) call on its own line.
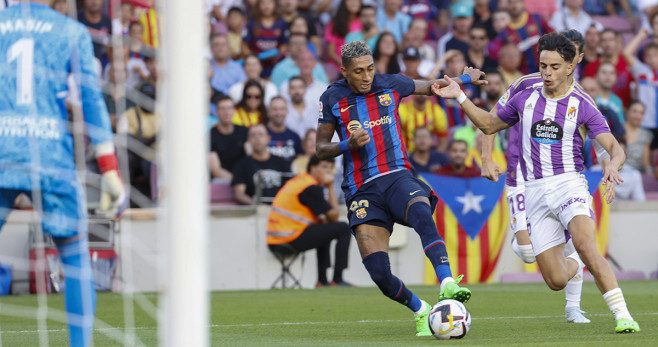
point(323, 323)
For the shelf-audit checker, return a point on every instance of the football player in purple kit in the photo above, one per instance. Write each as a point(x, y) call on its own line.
point(515, 186)
point(379, 186)
point(551, 159)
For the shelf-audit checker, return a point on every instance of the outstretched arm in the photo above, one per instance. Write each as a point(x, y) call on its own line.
point(485, 121)
point(424, 87)
point(631, 47)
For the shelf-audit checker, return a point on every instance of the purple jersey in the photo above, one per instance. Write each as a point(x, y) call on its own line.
point(550, 142)
point(514, 176)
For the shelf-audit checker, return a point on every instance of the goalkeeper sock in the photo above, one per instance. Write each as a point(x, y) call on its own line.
point(79, 295)
point(419, 216)
point(617, 304)
point(379, 268)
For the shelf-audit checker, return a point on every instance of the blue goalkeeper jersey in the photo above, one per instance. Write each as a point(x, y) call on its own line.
point(39, 49)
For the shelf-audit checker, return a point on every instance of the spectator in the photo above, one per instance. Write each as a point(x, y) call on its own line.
point(474, 157)
point(289, 66)
point(299, 25)
point(308, 146)
point(314, 87)
point(415, 37)
point(284, 142)
point(253, 70)
point(524, 31)
point(386, 54)
point(419, 111)
point(345, 21)
point(136, 65)
point(428, 12)
point(457, 152)
point(423, 159)
point(302, 219)
point(590, 85)
point(235, 23)
point(142, 125)
point(302, 114)
point(477, 42)
point(251, 109)
point(493, 90)
point(500, 21)
point(411, 62)
point(571, 16)
point(227, 141)
point(117, 98)
point(457, 38)
point(60, 6)
point(647, 82)
point(261, 167)
point(292, 16)
point(99, 25)
point(152, 68)
point(637, 139)
point(611, 48)
point(126, 15)
point(226, 72)
point(632, 186)
point(455, 64)
point(591, 49)
point(266, 33)
point(369, 31)
point(483, 15)
point(390, 19)
point(509, 60)
point(606, 76)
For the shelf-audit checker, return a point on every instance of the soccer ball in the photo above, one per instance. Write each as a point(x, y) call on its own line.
point(449, 319)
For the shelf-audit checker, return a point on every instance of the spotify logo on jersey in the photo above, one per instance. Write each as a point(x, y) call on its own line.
point(546, 132)
point(353, 125)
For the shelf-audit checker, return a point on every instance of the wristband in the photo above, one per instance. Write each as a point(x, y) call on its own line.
point(461, 98)
point(466, 79)
point(342, 145)
point(107, 162)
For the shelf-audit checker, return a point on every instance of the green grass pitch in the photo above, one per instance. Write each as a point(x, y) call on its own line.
point(503, 314)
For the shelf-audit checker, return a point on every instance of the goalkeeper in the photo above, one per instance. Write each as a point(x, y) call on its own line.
point(40, 49)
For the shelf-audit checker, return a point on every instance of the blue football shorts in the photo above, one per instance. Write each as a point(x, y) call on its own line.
point(64, 214)
point(383, 201)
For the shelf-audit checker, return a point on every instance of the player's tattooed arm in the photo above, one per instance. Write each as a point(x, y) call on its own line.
point(424, 87)
point(324, 148)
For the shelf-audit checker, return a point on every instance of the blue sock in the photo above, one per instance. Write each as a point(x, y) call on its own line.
point(419, 216)
point(79, 294)
point(379, 268)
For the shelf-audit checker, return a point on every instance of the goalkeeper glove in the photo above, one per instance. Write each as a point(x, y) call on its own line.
point(113, 194)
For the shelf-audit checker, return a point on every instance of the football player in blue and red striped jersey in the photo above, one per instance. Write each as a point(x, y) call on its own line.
point(380, 188)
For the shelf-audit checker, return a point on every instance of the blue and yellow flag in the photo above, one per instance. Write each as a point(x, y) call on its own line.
point(472, 217)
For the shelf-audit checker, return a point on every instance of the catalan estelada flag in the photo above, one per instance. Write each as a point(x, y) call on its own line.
point(472, 218)
point(601, 214)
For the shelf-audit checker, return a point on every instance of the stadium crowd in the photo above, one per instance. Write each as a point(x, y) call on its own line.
point(270, 60)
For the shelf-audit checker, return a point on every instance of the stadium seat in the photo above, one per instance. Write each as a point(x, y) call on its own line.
point(286, 256)
point(650, 183)
point(221, 194)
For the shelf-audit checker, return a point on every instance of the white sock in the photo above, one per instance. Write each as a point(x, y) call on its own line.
point(617, 304)
point(422, 307)
point(574, 289)
point(527, 254)
point(446, 281)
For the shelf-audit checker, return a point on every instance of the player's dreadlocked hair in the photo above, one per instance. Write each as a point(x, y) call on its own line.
point(558, 43)
point(353, 50)
point(576, 37)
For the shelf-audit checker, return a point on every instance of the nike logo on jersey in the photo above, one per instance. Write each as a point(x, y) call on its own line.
point(343, 109)
point(414, 192)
